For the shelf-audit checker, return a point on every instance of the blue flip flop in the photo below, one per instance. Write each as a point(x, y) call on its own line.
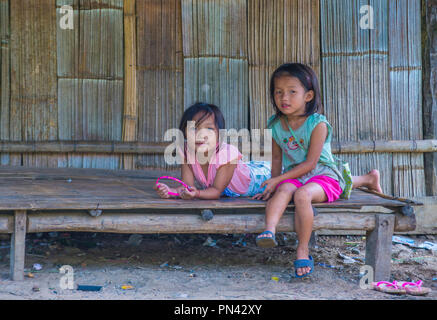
point(266, 242)
point(303, 263)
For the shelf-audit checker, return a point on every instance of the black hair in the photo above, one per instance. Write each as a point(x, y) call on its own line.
point(307, 78)
point(208, 110)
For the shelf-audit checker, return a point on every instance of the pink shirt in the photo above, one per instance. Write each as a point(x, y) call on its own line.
point(227, 153)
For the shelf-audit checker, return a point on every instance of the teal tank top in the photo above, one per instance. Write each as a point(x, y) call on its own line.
point(293, 154)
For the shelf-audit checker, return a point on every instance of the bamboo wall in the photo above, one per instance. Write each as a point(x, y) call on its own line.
point(128, 69)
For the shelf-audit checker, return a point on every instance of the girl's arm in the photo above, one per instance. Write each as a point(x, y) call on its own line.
point(187, 177)
point(221, 181)
point(276, 159)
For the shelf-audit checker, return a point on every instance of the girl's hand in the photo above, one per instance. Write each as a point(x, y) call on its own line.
point(268, 191)
point(163, 190)
point(190, 194)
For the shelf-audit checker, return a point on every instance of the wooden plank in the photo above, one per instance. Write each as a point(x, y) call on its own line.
point(378, 247)
point(86, 189)
point(122, 222)
point(18, 245)
point(130, 112)
point(429, 27)
point(33, 109)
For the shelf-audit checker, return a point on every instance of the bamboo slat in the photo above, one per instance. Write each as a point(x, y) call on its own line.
point(214, 28)
point(220, 81)
point(90, 79)
point(159, 73)
point(4, 73)
point(355, 85)
point(278, 32)
point(130, 111)
point(33, 109)
point(215, 57)
point(5, 89)
point(406, 93)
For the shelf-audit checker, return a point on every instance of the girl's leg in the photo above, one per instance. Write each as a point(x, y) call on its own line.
point(371, 181)
point(304, 217)
point(276, 206)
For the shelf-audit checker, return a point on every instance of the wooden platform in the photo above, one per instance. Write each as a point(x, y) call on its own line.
point(99, 200)
point(86, 189)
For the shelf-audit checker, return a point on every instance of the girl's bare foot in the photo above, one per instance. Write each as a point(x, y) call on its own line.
point(374, 181)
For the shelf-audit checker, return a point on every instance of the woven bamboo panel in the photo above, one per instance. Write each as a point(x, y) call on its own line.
point(222, 82)
point(5, 80)
point(4, 70)
point(159, 73)
point(355, 82)
point(33, 108)
point(278, 32)
point(406, 93)
point(215, 57)
point(90, 79)
point(214, 28)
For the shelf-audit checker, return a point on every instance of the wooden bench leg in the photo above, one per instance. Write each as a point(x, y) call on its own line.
point(378, 246)
point(18, 245)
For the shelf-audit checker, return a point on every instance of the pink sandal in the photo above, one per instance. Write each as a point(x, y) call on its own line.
point(415, 288)
point(388, 287)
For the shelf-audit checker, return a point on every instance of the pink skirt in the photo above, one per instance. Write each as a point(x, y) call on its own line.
point(330, 186)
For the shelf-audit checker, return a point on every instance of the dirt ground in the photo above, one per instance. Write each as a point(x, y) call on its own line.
point(202, 267)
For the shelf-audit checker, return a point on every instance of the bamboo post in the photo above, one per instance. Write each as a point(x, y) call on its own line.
point(130, 113)
point(135, 147)
point(429, 25)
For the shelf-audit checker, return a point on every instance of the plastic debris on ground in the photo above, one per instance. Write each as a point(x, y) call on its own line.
point(37, 267)
point(135, 240)
point(209, 242)
point(428, 245)
point(88, 288)
point(326, 265)
point(276, 279)
point(240, 242)
point(127, 287)
point(349, 260)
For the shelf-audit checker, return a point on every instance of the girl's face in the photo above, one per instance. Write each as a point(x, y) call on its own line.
point(291, 96)
point(203, 135)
